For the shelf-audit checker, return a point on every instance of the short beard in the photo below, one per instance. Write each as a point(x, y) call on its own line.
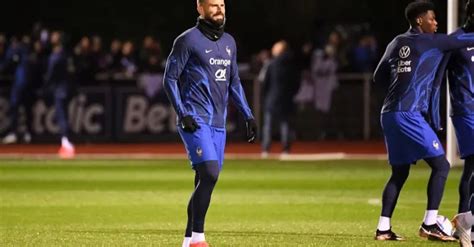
point(218, 23)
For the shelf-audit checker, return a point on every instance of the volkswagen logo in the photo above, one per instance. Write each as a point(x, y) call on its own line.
point(404, 52)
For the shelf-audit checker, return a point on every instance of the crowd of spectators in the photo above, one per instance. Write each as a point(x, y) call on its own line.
point(342, 50)
point(318, 61)
point(348, 50)
point(94, 59)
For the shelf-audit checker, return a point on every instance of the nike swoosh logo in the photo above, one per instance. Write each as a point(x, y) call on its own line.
point(207, 51)
point(470, 48)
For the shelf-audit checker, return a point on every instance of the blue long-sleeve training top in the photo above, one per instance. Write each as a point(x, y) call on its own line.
point(410, 66)
point(18, 54)
point(461, 79)
point(60, 68)
point(200, 75)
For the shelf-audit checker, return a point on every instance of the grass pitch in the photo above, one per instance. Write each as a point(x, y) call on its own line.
point(255, 203)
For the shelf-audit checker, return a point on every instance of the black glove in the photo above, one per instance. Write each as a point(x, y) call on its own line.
point(188, 124)
point(251, 130)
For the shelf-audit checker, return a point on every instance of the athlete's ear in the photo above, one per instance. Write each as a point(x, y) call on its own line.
point(419, 21)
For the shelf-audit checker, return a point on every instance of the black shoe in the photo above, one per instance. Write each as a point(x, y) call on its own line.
point(387, 235)
point(434, 232)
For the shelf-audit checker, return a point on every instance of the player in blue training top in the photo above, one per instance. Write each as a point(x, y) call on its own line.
point(410, 65)
point(461, 84)
point(201, 73)
point(58, 82)
point(18, 56)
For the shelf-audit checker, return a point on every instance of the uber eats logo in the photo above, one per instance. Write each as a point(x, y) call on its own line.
point(404, 66)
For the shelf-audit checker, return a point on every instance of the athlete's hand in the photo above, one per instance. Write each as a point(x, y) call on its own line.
point(188, 124)
point(251, 130)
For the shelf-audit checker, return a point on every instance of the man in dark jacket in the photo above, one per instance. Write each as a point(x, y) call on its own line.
point(21, 58)
point(58, 82)
point(280, 85)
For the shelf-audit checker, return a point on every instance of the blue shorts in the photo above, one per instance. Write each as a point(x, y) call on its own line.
point(464, 127)
point(409, 138)
point(205, 144)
